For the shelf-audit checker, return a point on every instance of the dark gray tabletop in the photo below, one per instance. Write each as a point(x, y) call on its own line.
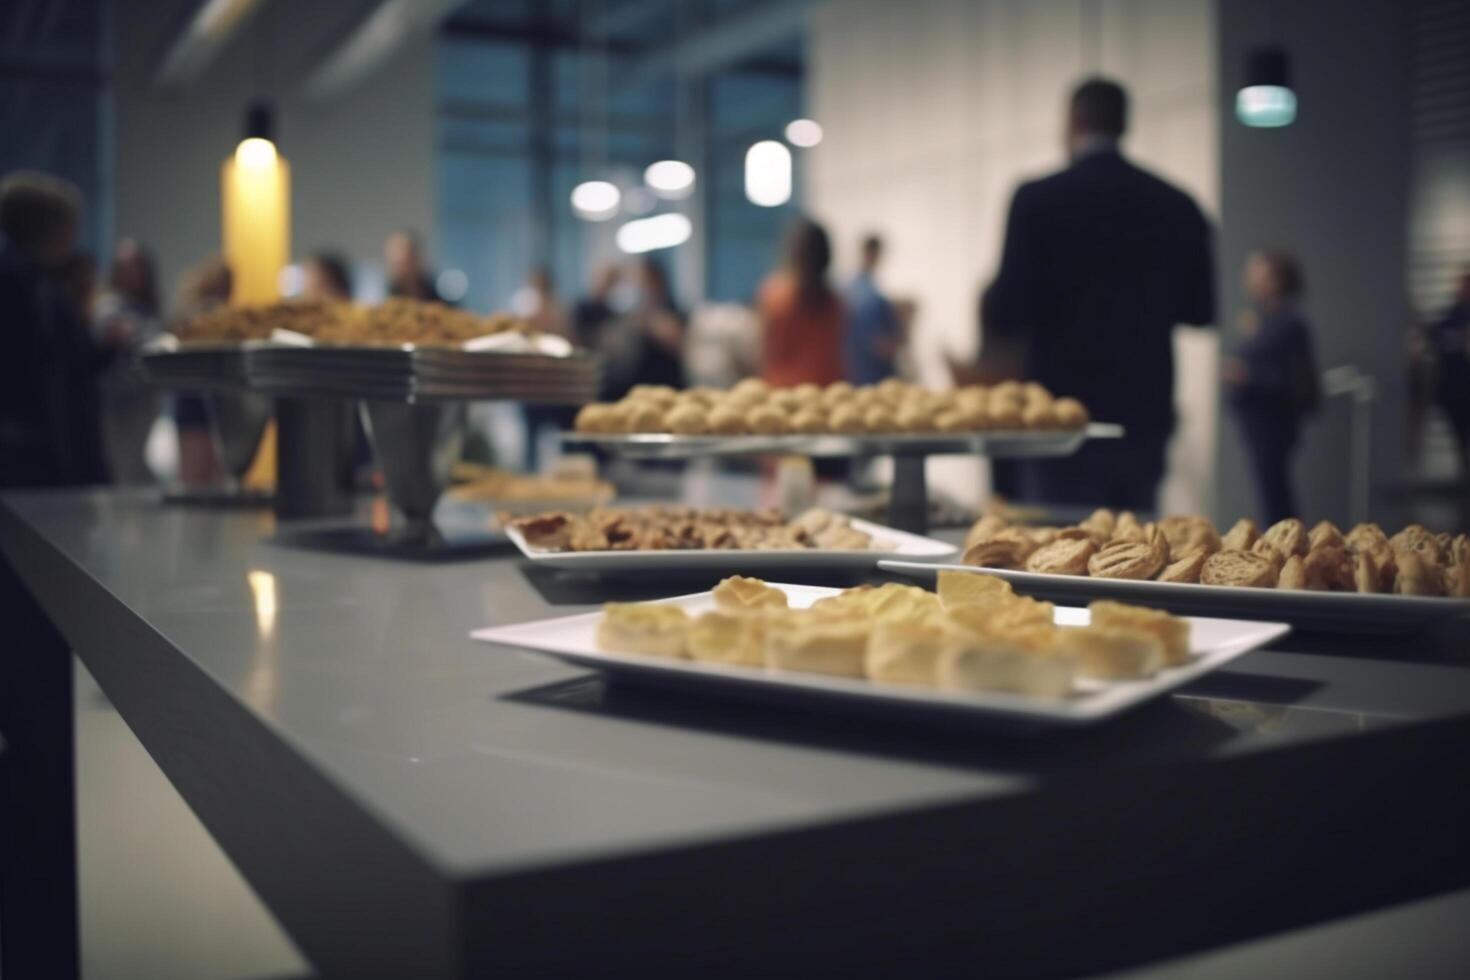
point(371, 768)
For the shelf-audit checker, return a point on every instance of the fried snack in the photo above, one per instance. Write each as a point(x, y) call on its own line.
point(1417, 576)
point(1242, 569)
point(767, 420)
point(1419, 539)
point(845, 419)
point(719, 637)
point(1186, 569)
point(878, 419)
point(809, 421)
point(959, 588)
point(907, 652)
point(1293, 574)
point(1004, 415)
point(1111, 652)
point(1172, 632)
point(996, 553)
point(646, 415)
point(687, 419)
point(725, 420)
point(1038, 416)
point(984, 529)
point(1189, 534)
point(1127, 528)
point(1367, 576)
point(1328, 569)
point(817, 644)
point(1457, 574)
point(1325, 534)
point(741, 594)
point(914, 417)
point(1069, 413)
point(1268, 551)
point(1100, 525)
point(652, 628)
point(1242, 536)
point(1365, 537)
point(1065, 556)
point(998, 663)
point(1127, 559)
point(1288, 537)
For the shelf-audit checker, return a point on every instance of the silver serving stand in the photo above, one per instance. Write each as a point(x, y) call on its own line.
point(412, 401)
point(908, 498)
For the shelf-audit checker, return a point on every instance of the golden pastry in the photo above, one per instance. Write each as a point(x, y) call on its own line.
point(767, 420)
point(906, 652)
point(836, 393)
point(1365, 537)
point(550, 531)
point(994, 553)
point(596, 417)
point(1288, 537)
point(1416, 538)
point(1111, 652)
point(1241, 536)
point(718, 637)
point(1005, 664)
point(879, 419)
point(687, 420)
point(652, 628)
point(957, 588)
point(1038, 416)
point(1126, 559)
point(1172, 631)
point(1100, 525)
point(1069, 413)
point(1293, 574)
point(1328, 569)
point(1065, 556)
point(951, 420)
point(1186, 569)
point(893, 602)
point(741, 594)
point(914, 418)
point(750, 388)
point(816, 644)
point(845, 419)
point(1188, 534)
point(1242, 569)
point(1127, 528)
point(1457, 574)
point(984, 529)
point(1325, 534)
point(1417, 576)
point(808, 421)
point(646, 416)
point(1000, 612)
point(726, 421)
point(656, 393)
point(1004, 416)
point(1367, 577)
point(1270, 552)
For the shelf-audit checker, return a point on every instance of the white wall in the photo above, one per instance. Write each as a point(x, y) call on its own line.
point(360, 166)
point(934, 110)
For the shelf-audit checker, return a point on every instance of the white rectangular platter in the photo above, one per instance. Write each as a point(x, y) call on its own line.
point(1323, 611)
point(890, 543)
point(1213, 642)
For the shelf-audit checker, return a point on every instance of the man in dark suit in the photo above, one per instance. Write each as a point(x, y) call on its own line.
point(1101, 261)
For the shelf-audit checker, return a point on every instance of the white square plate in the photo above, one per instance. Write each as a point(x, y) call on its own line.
point(890, 543)
point(1340, 612)
point(1213, 642)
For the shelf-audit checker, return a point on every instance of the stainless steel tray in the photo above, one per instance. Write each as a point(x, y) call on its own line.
point(1010, 444)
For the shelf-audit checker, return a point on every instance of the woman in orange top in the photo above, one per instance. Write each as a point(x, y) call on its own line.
point(801, 316)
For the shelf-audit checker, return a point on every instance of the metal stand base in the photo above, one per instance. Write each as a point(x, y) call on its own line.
point(438, 545)
point(313, 457)
point(908, 501)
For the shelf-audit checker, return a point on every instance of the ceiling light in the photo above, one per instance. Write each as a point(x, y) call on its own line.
point(768, 174)
point(671, 179)
point(660, 231)
point(595, 200)
point(1266, 99)
point(803, 132)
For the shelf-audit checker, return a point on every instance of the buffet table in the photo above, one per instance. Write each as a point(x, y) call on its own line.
point(409, 802)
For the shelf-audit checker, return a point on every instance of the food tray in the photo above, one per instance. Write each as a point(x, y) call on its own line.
point(1213, 643)
point(734, 561)
point(1010, 444)
point(1318, 611)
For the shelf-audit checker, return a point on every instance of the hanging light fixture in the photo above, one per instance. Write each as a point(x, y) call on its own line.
point(670, 179)
point(768, 174)
point(255, 196)
point(596, 200)
point(659, 231)
point(804, 133)
point(1266, 99)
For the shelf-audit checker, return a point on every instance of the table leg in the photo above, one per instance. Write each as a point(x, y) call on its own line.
point(908, 502)
point(38, 817)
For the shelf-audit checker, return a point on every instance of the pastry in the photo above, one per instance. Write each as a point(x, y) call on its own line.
point(740, 594)
point(958, 588)
point(996, 553)
point(1038, 416)
point(1270, 552)
point(718, 637)
point(767, 420)
point(1187, 534)
point(1066, 556)
point(1100, 525)
point(1126, 559)
point(1367, 577)
point(1186, 569)
point(1328, 569)
point(1457, 574)
point(1293, 574)
point(726, 421)
point(1416, 538)
point(808, 421)
point(1001, 613)
point(1111, 652)
point(1243, 569)
point(1004, 664)
point(1171, 631)
point(689, 420)
point(816, 644)
point(1241, 536)
point(1417, 576)
point(1004, 416)
point(656, 629)
point(1325, 534)
point(951, 420)
point(845, 419)
point(1127, 528)
point(1288, 537)
point(878, 419)
point(1070, 413)
point(907, 652)
point(892, 602)
point(984, 529)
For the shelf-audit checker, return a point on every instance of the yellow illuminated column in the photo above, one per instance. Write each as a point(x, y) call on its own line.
point(256, 218)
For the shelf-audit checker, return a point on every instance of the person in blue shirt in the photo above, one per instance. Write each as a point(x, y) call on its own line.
point(870, 336)
point(1271, 374)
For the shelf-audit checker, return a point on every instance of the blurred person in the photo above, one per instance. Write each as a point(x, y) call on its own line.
point(327, 276)
point(1449, 336)
point(1101, 261)
point(645, 345)
point(204, 287)
point(871, 331)
point(126, 318)
point(801, 315)
point(407, 274)
point(536, 302)
point(592, 314)
point(50, 431)
point(1271, 377)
